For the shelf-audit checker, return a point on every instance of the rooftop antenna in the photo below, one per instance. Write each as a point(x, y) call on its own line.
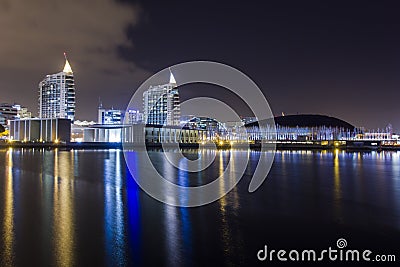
point(100, 103)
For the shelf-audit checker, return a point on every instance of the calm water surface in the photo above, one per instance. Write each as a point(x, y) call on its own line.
point(82, 208)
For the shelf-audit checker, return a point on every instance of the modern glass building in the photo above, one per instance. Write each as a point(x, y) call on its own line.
point(57, 95)
point(117, 116)
point(109, 116)
point(161, 104)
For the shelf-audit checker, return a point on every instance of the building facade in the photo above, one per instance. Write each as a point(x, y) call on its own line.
point(110, 116)
point(137, 134)
point(40, 130)
point(157, 134)
point(57, 95)
point(161, 104)
point(116, 116)
point(13, 112)
point(133, 117)
point(102, 133)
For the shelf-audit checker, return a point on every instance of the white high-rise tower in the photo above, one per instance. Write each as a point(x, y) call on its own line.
point(161, 104)
point(57, 94)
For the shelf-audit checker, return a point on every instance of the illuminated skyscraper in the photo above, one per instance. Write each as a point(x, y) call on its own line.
point(161, 104)
point(57, 94)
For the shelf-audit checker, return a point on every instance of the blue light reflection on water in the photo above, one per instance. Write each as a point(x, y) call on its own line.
point(183, 179)
point(134, 211)
point(58, 198)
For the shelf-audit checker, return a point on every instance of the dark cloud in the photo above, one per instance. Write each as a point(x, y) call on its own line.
point(35, 33)
point(340, 58)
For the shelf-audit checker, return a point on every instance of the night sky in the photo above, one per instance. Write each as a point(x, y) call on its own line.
point(322, 57)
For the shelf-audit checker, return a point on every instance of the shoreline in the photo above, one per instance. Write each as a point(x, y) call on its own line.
point(279, 146)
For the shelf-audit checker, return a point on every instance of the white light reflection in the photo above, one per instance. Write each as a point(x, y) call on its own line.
point(113, 209)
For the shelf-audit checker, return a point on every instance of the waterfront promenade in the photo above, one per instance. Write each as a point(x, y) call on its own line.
point(362, 145)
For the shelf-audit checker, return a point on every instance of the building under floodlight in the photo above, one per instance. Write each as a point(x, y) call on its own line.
point(161, 104)
point(57, 95)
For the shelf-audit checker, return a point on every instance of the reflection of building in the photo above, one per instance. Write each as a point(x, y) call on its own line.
point(12, 112)
point(57, 95)
point(161, 104)
point(46, 130)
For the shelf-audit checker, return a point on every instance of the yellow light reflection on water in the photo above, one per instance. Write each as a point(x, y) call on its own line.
point(8, 220)
point(226, 233)
point(222, 182)
point(234, 192)
point(337, 185)
point(63, 209)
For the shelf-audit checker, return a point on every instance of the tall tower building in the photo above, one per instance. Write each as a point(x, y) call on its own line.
point(57, 94)
point(161, 104)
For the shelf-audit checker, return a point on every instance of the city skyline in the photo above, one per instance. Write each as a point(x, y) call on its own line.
point(172, 84)
point(308, 58)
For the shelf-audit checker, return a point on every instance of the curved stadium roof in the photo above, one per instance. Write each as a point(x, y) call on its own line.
point(309, 120)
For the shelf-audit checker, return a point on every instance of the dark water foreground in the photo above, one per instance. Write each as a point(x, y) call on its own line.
point(82, 208)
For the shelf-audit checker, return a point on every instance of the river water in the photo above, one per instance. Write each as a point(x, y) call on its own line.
point(82, 208)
